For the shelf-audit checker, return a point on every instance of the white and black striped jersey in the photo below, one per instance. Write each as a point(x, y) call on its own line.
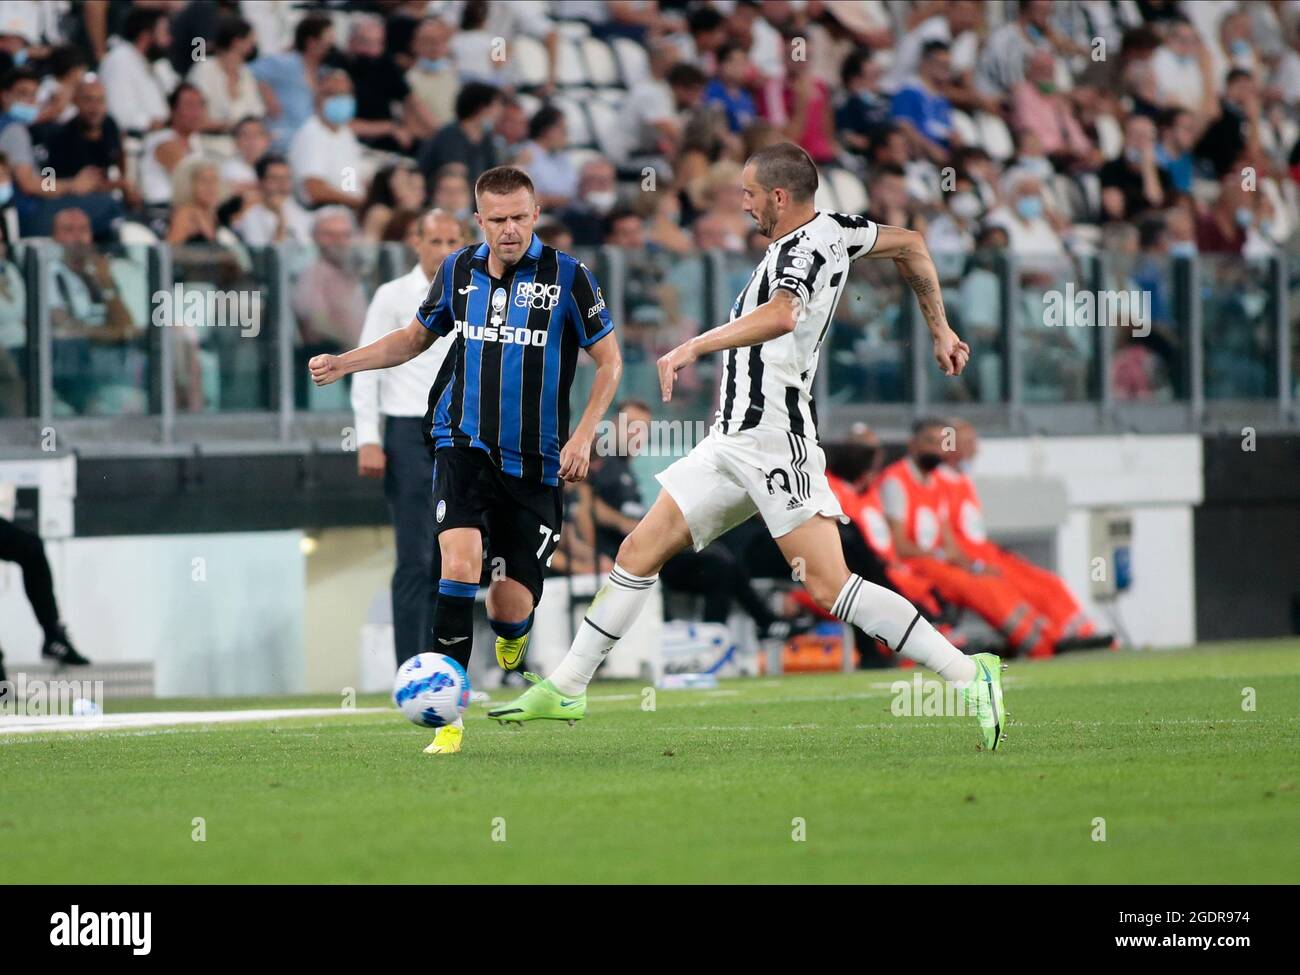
point(770, 384)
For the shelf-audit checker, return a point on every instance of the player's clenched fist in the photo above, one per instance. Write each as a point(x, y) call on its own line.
point(575, 458)
point(325, 369)
point(951, 353)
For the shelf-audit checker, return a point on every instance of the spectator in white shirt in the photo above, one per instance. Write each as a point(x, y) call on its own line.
point(227, 84)
point(544, 158)
point(1183, 70)
point(137, 94)
point(390, 405)
point(276, 218)
point(325, 156)
point(433, 77)
point(252, 142)
point(164, 150)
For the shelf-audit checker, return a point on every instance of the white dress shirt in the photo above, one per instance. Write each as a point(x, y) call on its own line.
point(332, 155)
point(136, 96)
point(402, 390)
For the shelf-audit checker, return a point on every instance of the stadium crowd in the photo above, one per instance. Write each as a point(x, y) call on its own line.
point(1139, 129)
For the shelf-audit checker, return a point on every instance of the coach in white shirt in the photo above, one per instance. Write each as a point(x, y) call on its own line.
point(394, 401)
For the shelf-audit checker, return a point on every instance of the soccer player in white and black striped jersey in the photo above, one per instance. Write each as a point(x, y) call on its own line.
point(762, 455)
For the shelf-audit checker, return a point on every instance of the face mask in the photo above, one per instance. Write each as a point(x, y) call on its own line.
point(1182, 248)
point(432, 64)
point(965, 206)
point(24, 112)
point(1033, 33)
point(1046, 87)
point(1240, 49)
point(6, 193)
point(928, 462)
point(339, 109)
point(20, 58)
point(1029, 207)
point(1243, 216)
point(1133, 155)
point(602, 201)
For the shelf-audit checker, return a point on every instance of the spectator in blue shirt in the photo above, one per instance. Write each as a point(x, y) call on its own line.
point(1178, 135)
point(287, 80)
point(919, 107)
point(728, 88)
point(864, 115)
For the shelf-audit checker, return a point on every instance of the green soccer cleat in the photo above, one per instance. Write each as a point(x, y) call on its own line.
point(984, 699)
point(510, 653)
point(541, 701)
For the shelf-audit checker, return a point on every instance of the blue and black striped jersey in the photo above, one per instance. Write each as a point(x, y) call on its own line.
point(504, 386)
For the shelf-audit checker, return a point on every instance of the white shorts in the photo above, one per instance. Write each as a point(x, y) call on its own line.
point(727, 479)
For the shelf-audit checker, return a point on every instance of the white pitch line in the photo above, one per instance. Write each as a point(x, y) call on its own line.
point(156, 719)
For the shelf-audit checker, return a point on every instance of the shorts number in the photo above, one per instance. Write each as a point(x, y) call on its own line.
point(552, 540)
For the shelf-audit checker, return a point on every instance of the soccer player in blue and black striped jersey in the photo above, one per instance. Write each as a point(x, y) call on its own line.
point(498, 419)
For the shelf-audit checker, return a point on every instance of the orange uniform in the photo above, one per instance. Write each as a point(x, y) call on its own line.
point(923, 505)
point(1043, 589)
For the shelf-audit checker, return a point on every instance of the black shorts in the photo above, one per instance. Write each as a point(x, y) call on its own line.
point(520, 520)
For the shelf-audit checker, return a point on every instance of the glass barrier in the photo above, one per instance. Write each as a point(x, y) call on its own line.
point(1054, 325)
point(219, 312)
point(972, 288)
point(666, 300)
point(217, 317)
point(1148, 326)
point(15, 378)
point(100, 302)
point(1239, 335)
point(330, 288)
point(866, 353)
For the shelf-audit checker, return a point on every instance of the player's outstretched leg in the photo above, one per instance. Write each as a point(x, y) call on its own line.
point(563, 696)
point(815, 548)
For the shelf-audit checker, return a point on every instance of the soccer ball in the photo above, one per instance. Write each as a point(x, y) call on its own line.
point(431, 690)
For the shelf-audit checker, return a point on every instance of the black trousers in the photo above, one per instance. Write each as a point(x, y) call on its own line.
point(408, 486)
point(21, 546)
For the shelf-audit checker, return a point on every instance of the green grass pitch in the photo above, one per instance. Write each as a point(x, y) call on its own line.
point(711, 786)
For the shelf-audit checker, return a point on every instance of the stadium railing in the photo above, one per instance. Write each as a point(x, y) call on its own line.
point(143, 348)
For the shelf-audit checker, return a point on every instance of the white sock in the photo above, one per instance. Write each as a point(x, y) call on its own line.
point(459, 722)
point(890, 618)
point(610, 615)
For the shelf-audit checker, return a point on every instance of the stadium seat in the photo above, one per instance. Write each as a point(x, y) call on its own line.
point(529, 103)
point(602, 67)
point(608, 128)
point(995, 137)
point(130, 232)
point(579, 124)
point(570, 66)
point(529, 61)
point(633, 61)
point(850, 194)
point(1110, 137)
point(963, 126)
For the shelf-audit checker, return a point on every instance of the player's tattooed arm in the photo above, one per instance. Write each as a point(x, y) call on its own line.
point(907, 249)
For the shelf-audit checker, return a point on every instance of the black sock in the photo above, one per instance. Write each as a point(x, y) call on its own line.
point(453, 620)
